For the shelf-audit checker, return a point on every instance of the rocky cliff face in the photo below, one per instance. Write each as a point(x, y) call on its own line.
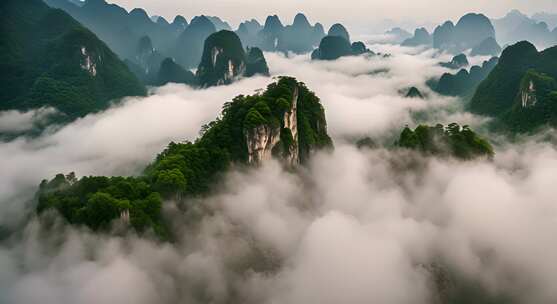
point(224, 60)
point(528, 95)
point(263, 141)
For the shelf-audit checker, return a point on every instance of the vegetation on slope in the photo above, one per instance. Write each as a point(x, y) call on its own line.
point(189, 168)
point(49, 59)
point(453, 140)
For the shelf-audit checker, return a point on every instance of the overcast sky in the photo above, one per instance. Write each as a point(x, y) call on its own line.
point(354, 13)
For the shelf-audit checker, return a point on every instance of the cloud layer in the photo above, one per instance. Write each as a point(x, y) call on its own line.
point(355, 226)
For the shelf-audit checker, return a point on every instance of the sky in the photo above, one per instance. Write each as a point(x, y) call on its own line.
point(354, 13)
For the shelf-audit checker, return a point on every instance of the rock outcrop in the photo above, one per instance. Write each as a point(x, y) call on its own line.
point(224, 60)
point(265, 141)
point(300, 37)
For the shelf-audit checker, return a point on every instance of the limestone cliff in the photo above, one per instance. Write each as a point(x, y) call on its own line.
point(265, 140)
point(224, 60)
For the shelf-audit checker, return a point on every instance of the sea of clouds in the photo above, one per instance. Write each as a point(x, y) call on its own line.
point(354, 226)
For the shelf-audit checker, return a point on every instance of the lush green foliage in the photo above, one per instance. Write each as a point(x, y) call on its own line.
point(190, 169)
point(453, 140)
point(522, 118)
point(97, 201)
point(48, 59)
point(497, 92)
point(522, 72)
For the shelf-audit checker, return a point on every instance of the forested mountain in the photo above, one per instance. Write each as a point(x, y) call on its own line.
point(470, 32)
point(453, 140)
point(336, 46)
point(521, 90)
point(189, 46)
point(225, 60)
point(49, 59)
point(122, 30)
point(464, 82)
point(286, 122)
point(170, 71)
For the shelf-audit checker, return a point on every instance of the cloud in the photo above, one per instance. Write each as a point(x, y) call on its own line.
point(354, 226)
point(13, 121)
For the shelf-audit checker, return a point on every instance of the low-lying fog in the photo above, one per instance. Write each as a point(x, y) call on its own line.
point(356, 226)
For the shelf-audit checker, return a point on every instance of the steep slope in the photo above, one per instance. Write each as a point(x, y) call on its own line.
point(146, 61)
point(470, 31)
point(225, 60)
point(119, 29)
point(271, 33)
point(496, 94)
point(300, 37)
point(334, 47)
point(464, 82)
point(488, 47)
point(286, 122)
point(338, 29)
point(189, 46)
point(48, 59)
point(247, 31)
point(522, 89)
point(170, 71)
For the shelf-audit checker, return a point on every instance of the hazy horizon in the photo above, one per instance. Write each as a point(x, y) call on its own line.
point(364, 15)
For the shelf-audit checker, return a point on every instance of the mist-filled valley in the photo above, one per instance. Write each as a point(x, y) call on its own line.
point(275, 163)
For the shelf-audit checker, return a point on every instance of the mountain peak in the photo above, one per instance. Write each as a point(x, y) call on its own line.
point(339, 30)
point(301, 21)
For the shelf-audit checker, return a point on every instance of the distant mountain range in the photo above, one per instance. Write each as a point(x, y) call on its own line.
point(484, 36)
point(183, 42)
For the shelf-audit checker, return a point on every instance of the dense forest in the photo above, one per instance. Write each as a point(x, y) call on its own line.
point(452, 140)
point(49, 59)
point(192, 168)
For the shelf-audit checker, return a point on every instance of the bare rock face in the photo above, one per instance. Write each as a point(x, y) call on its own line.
point(263, 140)
point(224, 60)
point(290, 122)
point(88, 64)
point(260, 141)
point(528, 95)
